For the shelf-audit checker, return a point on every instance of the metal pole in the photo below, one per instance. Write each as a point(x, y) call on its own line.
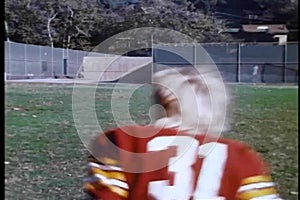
point(238, 78)
point(67, 71)
point(194, 55)
point(63, 61)
point(9, 57)
point(78, 66)
point(25, 54)
point(52, 65)
point(285, 62)
point(41, 63)
point(152, 54)
point(9, 60)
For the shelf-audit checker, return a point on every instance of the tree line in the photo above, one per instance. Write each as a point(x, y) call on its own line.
point(83, 24)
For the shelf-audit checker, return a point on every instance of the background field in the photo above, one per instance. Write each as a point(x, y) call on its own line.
point(45, 158)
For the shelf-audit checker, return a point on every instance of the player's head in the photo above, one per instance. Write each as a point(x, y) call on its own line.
point(195, 101)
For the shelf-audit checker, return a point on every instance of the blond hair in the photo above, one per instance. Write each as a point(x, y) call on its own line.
point(201, 95)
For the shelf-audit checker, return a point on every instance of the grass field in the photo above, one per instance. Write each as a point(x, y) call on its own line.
point(45, 159)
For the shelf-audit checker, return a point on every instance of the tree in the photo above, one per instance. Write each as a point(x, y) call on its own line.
point(21, 22)
point(167, 14)
point(84, 24)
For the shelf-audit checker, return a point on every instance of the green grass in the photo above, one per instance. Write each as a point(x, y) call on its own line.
point(267, 118)
point(46, 159)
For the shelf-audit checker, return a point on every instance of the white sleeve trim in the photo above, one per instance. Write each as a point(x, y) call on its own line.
point(107, 181)
point(104, 167)
point(256, 186)
point(271, 196)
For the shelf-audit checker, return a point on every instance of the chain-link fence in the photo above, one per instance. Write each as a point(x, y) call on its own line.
point(237, 62)
point(32, 61)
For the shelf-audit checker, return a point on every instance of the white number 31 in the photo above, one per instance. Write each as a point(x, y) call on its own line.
point(209, 180)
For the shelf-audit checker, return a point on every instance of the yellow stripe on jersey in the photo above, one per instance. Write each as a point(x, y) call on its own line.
point(109, 174)
point(256, 193)
point(104, 160)
point(119, 191)
point(109, 161)
point(256, 179)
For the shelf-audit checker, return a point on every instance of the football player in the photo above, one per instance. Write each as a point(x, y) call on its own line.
point(181, 156)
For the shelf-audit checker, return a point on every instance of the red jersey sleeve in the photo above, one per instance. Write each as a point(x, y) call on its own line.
point(106, 182)
point(255, 178)
point(105, 178)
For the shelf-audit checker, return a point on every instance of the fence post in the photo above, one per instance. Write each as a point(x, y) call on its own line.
point(194, 55)
point(67, 62)
point(238, 69)
point(9, 61)
point(152, 54)
point(41, 63)
point(52, 64)
point(78, 66)
point(25, 56)
point(284, 62)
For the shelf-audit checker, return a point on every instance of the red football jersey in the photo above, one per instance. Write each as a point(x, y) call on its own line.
point(137, 162)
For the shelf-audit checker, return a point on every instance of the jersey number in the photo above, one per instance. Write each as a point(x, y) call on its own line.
point(188, 150)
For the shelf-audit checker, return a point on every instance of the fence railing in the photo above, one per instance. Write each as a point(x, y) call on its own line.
point(237, 62)
point(26, 61)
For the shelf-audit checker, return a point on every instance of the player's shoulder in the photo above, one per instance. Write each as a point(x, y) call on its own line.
point(233, 145)
point(135, 133)
point(237, 144)
point(138, 131)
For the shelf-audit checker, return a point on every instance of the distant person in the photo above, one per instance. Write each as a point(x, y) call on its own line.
point(255, 74)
